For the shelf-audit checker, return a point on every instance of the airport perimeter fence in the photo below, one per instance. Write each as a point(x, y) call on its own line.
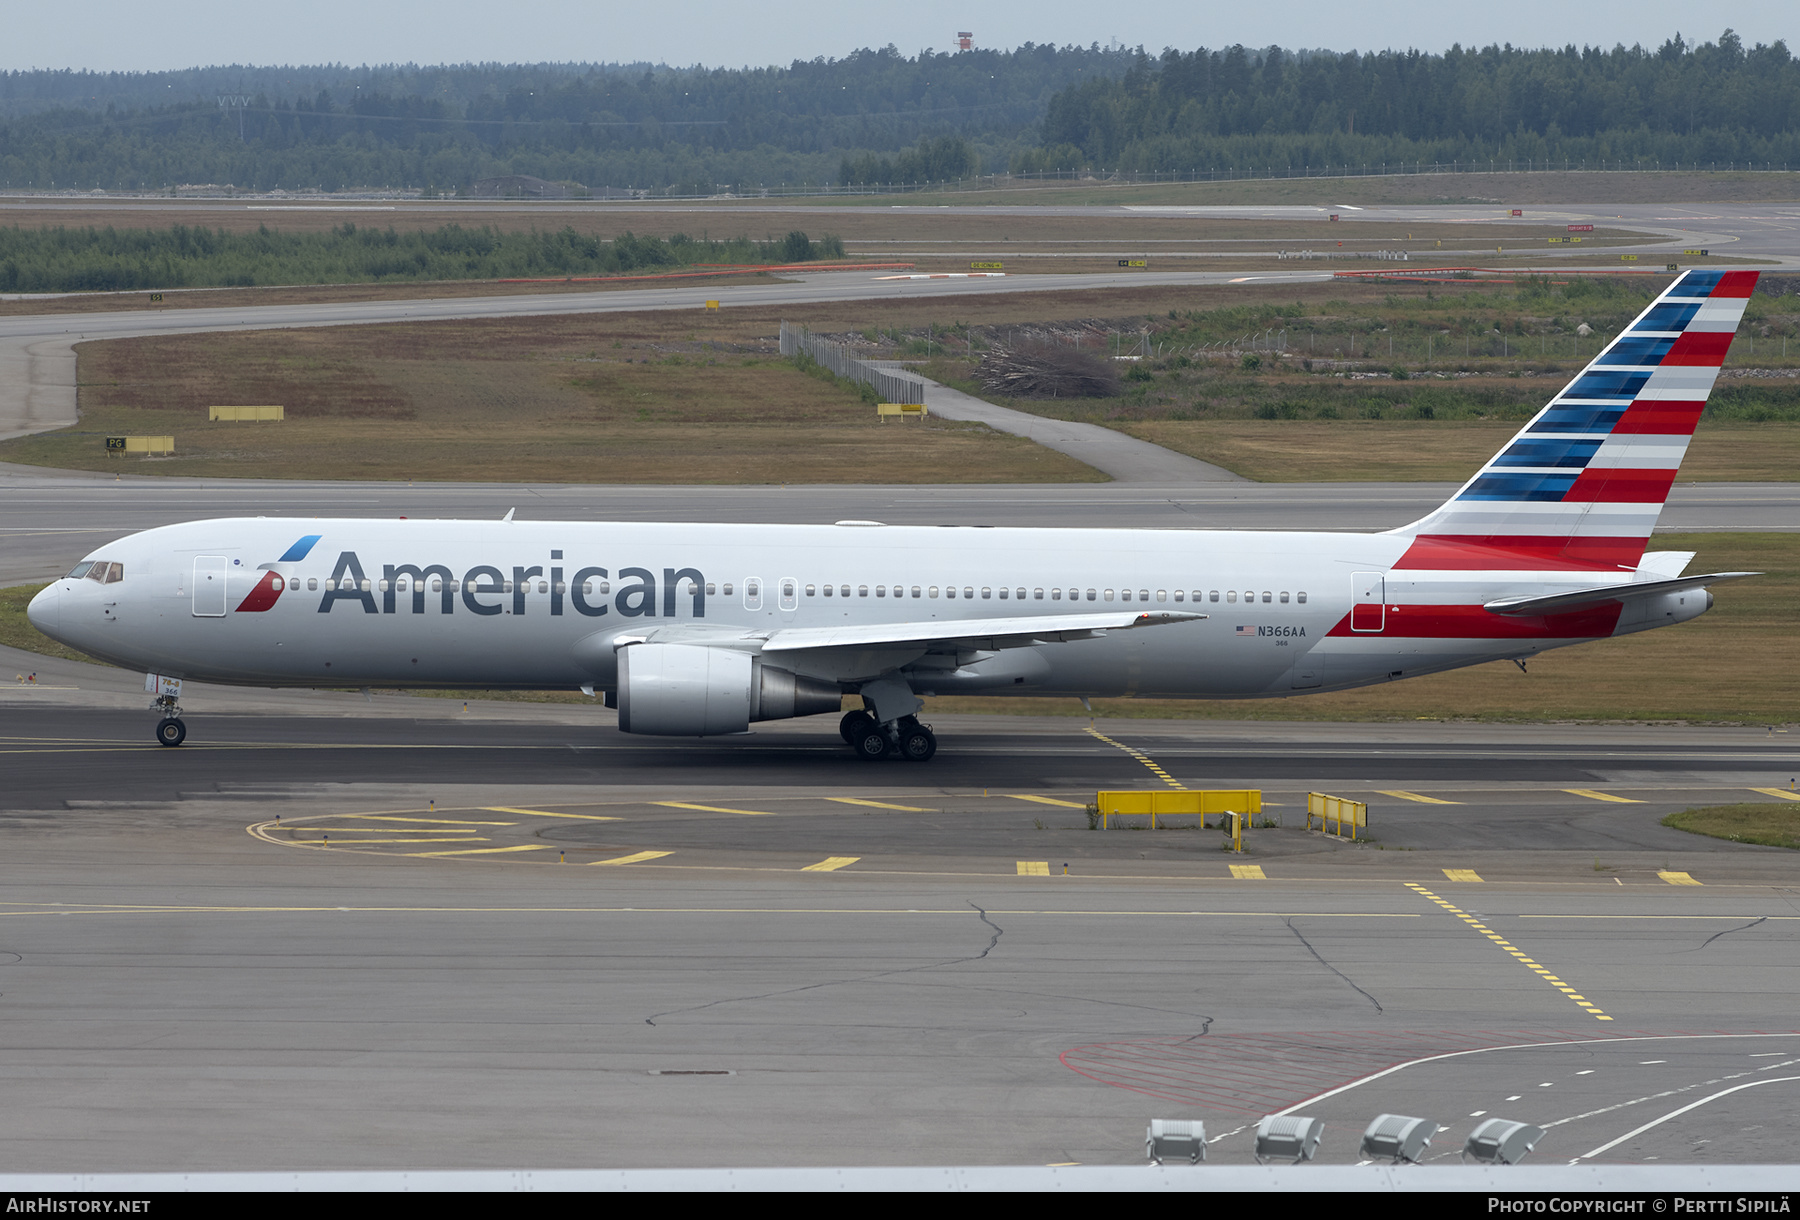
point(893, 387)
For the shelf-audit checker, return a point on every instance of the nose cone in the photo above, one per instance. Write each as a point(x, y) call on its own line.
point(45, 609)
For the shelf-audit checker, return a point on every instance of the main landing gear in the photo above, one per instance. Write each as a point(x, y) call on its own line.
point(913, 741)
point(170, 731)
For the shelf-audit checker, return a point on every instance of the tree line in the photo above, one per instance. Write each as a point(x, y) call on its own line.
point(1273, 108)
point(95, 259)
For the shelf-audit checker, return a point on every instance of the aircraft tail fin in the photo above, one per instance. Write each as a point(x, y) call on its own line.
point(1581, 486)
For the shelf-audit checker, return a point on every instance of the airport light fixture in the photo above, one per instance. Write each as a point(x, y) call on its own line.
point(1170, 1139)
point(1398, 1138)
point(1288, 1136)
point(1500, 1140)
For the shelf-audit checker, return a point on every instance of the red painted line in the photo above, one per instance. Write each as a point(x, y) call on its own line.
point(1482, 552)
point(718, 269)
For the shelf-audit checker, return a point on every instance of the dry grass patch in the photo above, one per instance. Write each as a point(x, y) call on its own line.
point(613, 398)
point(1772, 825)
point(1400, 451)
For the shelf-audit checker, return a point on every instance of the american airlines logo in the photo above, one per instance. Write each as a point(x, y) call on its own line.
point(405, 587)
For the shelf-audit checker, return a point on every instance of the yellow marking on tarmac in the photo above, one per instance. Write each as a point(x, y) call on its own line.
point(852, 800)
point(1461, 874)
point(389, 817)
point(1046, 800)
point(486, 851)
point(1678, 879)
point(542, 813)
point(1594, 794)
point(1034, 868)
point(830, 864)
point(1783, 793)
point(360, 842)
point(1414, 796)
point(1500, 941)
point(95, 908)
point(1142, 757)
point(758, 813)
point(638, 858)
point(1248, 872)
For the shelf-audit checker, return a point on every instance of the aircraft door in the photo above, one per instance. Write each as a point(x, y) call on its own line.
point(1368, 602)
point(790, 594)
point(209, 585)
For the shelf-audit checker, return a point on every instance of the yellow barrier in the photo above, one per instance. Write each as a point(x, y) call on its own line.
point(245, 413)
point(713, 305)
point(1337, 812)
point(1203, 804)
point(140, 444)
point(903, 409)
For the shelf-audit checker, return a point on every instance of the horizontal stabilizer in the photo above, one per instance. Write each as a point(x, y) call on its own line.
point(986, 633)
point(1556, 603)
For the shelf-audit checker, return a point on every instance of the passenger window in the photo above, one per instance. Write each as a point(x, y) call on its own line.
point(1301, 597)
point(1037, 595)
point(437, 584)
point(933, 591)
point(1124, 595)
point(828, 590)
point(915, 590)
point(1109, 595)
point(1178, 595)
point(364, 587)
point(1267, 597)
point(312, 584)
point(810, 591)
point(843, 590)
point(544, 586)
point(1091, 595)
point(1284, 597)
point(949, 590)
point(726, 588)
point(382, 586)
point(1056, 595)
point(1143, 595)
point(506, 586)
point(1213, 596)
point(1003, 594)
point(987, 593)
point(711, 589)
point(1162, 595)
point(861, 590)
point(1230, 596)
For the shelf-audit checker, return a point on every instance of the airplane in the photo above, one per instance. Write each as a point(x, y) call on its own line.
point(702, 630)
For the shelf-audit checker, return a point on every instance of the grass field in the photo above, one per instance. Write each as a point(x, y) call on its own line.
point(655, 398)
point(1733, 665)
point(1773, 824)
point(1400, 450)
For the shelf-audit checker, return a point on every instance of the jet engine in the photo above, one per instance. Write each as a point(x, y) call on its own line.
point(688, 690)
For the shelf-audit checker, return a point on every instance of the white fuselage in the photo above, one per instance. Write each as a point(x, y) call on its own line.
point(545, 605)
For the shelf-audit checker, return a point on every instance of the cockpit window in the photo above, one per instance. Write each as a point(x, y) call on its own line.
point(103, 572)
point(80, 570)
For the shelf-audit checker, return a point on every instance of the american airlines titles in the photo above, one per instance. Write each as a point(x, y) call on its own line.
point(635, 597)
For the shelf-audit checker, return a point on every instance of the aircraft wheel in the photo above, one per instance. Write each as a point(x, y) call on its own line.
point(918, 744)
point(854, 723)
point(871, 743)
point(171, 732)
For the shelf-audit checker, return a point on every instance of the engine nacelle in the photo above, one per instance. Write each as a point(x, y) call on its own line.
point(689, 690)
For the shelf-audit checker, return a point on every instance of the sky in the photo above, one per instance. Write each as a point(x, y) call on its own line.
point(126, 35)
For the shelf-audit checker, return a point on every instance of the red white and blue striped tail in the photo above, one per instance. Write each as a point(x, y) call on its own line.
point(1581, 485)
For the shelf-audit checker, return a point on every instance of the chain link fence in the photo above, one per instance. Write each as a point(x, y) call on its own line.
point(893, 387)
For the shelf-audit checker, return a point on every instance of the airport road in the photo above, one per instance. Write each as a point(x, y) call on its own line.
point(55, 517)
point(382, 941)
